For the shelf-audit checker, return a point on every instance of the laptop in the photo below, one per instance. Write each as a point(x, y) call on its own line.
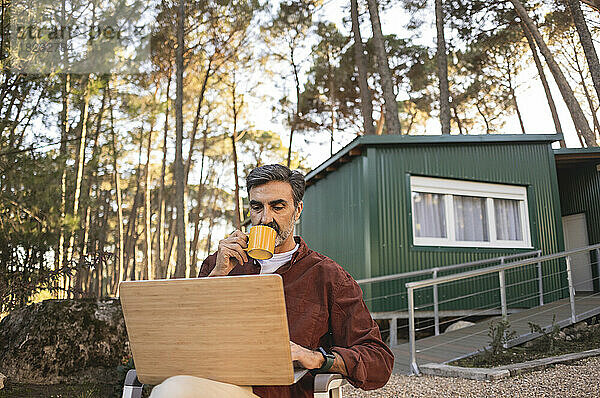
point(230, 329)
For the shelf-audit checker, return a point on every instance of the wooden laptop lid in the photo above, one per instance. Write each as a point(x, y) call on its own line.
point(229, 329)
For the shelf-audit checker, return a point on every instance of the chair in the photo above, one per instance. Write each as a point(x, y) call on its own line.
point(327, 385)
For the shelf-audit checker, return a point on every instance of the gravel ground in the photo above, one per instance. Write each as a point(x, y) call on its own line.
point(578, 379)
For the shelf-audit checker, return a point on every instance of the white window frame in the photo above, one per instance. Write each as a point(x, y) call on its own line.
point(449, 188)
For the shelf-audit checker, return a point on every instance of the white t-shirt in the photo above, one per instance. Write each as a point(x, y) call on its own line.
point(271, 265)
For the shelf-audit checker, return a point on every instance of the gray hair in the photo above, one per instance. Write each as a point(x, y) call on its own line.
point(276, 172)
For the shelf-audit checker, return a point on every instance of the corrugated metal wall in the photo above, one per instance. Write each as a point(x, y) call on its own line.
point(519, 164)
point(333, 221)
point(386, 171)
point(580, 193)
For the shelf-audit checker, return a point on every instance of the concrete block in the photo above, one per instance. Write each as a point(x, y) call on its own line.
point(458, 325)
point(436, 369)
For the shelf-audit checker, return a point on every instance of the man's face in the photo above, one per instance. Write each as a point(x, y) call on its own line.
point(272, 204)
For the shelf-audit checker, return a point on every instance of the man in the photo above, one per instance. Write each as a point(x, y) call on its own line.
point(326, 314)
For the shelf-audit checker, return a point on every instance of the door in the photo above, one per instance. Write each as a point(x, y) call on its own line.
point(575, 231)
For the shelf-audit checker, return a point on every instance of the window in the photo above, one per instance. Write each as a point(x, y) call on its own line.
point(468, 214)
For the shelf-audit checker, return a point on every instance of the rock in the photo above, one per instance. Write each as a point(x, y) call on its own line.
point(64, 341)
point(569, 338)
point(458, 325)
point(580, 326)
point(2, 379)
point(562, 335)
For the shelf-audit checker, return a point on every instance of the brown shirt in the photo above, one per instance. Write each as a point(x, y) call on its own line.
point(325, 308)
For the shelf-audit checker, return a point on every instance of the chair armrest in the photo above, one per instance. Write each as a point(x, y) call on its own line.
point(132, 387)
point(325, 382)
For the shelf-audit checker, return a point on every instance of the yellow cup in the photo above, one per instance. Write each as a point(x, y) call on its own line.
point(261, 242)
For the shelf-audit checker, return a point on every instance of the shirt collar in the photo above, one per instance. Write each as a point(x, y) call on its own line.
point(297, 256)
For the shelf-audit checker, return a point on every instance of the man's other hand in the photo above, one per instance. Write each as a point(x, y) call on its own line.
point(231, 253)
point(309, 359)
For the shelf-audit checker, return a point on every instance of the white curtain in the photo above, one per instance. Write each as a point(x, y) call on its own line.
point(470, 218)
point(508, 219)
point(429, 215)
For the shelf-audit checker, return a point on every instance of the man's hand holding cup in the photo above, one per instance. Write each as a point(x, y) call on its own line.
point(260, 244)
point(230, 253)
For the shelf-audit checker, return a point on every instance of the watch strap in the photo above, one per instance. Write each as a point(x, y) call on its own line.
point(329, 359)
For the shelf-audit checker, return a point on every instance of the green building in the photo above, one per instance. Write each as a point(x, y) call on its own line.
point(391, 204)
point(579, 185)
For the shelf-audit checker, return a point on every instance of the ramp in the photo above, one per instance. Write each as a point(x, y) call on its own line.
point(460, 343)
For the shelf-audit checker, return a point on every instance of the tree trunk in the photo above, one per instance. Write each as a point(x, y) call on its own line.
point(64, 135)
point(64, 130)
point(411, 122)
point(82, 268)
point(166, 251)
point(160, 257)
point(196, 215)
point(366, 105)
point(332, 131)
point(391, 106)
point(581, 123)
point(442, 66)
point(586, 42)
point(513, 96)
point(132, 251)
point(131, 234)
point(380, 122)
point(237, 218)
point(586, 93)
point(595, 4)
point(211, 224)
point(169, 246)
point(458, 122)
point(148, 212)
point(119, 269)
point(212, 217)
point(101, 243)
point(297, 112)
point(581, 140)
point(93, 228)
point(487, 124)
point(180, 266)
point(331, 88)
point(88, 226)
point(188, 162)
point(93, 179)
point(540, 69)
point(80, 161)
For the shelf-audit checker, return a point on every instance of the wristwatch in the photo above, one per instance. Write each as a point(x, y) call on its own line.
point(329, 358)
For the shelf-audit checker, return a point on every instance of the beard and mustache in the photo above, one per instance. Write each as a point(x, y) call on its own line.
point(282, 233)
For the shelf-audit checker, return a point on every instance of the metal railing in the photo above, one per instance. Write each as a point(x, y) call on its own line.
point(434, 272)
point(500, 270)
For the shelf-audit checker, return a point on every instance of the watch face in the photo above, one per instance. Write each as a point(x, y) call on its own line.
point(325, 353)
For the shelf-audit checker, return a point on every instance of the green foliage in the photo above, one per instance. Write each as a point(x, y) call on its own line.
point(500, 334)
point(550, 337)
point(551, 342)
point(332, 85)
point(29, 223)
